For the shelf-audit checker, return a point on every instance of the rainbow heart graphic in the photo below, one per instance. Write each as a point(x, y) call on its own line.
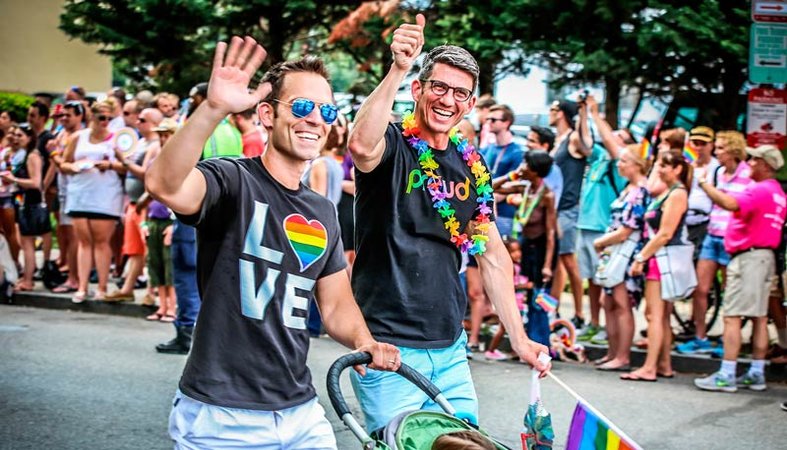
point(308, 238)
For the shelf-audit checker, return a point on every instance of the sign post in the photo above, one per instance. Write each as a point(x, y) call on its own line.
point(768, 11)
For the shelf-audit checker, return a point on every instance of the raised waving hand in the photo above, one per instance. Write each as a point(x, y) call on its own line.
point(233, 69)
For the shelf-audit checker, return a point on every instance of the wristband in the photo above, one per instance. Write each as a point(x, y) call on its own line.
point(513, 176)
point(511, 199)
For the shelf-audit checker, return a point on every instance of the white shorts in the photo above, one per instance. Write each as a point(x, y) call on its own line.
point(197, 425)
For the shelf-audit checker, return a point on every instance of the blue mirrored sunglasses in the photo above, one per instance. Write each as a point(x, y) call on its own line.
point(302, 107)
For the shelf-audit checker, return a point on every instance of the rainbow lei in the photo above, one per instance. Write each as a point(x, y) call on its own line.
point(475, 244)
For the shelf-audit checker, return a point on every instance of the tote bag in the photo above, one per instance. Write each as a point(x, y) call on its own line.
point(678, 276)
point(613, 272)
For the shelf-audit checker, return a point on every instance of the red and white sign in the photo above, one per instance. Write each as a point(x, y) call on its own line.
point(767, 117)
point(769, 11)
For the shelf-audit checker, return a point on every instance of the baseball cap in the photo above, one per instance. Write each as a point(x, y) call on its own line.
point(704, 134)
point(769, 153)
point(199, 89)
point(168, 125)
point(569, 108)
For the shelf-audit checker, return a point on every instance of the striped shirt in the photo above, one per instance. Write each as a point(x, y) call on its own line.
point(720, 217)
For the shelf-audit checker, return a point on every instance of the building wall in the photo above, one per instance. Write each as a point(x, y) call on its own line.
point(37, 56)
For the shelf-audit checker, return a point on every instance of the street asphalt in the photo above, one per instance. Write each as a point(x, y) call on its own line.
point(73, 380)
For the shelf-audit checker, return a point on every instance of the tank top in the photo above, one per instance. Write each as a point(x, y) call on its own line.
point(335, 174)
point(30, 196)
point(573, 171)
point(92, 190)
point(653, 218)
point(133, 185)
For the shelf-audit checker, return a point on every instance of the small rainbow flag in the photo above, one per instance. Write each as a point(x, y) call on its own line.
point(546, 302)
point(689, 152)
point(590, 432)
point(645, 150)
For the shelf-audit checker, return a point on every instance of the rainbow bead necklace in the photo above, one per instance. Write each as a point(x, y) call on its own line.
point(475, 244)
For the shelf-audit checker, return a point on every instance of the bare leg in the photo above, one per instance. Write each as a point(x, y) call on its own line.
point(102, 231)
point(706, 271)
point(624, 317)
point(84, 251)
point(572, 270)
point(732, 338)
point(594, 293)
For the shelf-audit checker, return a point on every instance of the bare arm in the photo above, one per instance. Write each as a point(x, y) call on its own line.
point(34, 169)
point(343, 322)
point(581, 141)
point(67, 165)
point(173, 178)
point(496, 271)
point(612, 238)
point(718, 197)
point(551, 229)
point(366, 143)
point(604, 129)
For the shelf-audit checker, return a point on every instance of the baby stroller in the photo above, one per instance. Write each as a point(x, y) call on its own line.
point(416, 430)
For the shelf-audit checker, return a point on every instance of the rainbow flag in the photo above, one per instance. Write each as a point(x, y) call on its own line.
point(689, 152)
point(590, 432)
point(546, 302)
point(645, 150)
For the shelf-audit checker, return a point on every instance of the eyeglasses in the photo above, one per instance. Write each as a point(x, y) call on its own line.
point(302, 107)
point(440, 89)
point(698, 143)
point(102, 118)
point(494, 119)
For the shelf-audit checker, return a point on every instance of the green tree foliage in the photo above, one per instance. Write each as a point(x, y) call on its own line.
point(17, 103)
point(170, 43)
point(661, 47)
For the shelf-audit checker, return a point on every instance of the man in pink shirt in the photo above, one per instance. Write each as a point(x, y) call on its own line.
point(753, 233)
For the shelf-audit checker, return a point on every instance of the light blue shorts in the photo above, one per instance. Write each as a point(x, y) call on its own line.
point(567, 222)
point(713, 250)
point(384, 395)
point(197, 425)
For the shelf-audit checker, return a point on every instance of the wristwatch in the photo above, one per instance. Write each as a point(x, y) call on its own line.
point(638, 258)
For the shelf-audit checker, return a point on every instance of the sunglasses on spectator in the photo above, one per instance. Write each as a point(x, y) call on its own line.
point(494, 119)
point(440, 89)
point(102, 118)
point(142, 120)
point(302, 107)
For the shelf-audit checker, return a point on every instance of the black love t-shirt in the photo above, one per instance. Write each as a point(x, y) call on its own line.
point(406, 272)
point(261, 249)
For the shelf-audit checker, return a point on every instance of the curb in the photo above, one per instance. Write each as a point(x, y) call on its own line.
point(49, 300)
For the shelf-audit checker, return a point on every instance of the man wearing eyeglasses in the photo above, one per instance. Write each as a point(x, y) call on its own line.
point(267, 245)
point(405, 276)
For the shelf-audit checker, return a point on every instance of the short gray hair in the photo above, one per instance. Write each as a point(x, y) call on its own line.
point(453, 56)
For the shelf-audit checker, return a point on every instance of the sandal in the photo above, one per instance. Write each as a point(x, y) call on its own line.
point(168, 318)
point(79, 297)
point(22, 288)
point(64, 289)
point(100, 296)
point(633, 376)
point(154, 317)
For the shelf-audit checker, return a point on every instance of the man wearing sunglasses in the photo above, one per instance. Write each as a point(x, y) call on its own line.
point(406, 273)
point(266, 246)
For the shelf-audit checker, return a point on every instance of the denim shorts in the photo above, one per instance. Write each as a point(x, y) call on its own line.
point(384, 395)
point(567, 223)
point(713, 250)
point(197, 425)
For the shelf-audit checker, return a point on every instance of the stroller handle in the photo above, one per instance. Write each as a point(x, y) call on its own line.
point(353, 359)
